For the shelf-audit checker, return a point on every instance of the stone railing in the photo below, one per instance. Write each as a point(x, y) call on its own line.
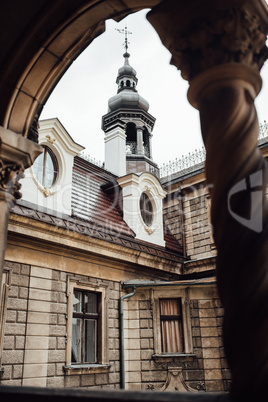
point(30, 394)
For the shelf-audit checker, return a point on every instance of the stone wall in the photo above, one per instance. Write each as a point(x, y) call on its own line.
point(34, 351)
point(187, 214)
point(204, 369)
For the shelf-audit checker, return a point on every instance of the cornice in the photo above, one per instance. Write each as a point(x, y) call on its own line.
point(80, 236)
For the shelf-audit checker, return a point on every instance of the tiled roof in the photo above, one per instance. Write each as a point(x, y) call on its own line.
point(96, 212)
point(94, 231)
point(91, 203)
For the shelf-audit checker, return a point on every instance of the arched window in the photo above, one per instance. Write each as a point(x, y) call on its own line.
point(128, 83)
point(122, 84)
point(146, 208)
point(45, 168)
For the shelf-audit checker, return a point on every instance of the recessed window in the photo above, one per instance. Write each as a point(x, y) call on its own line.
point(45, 168)
point(146, 208)
point(85, 327)
point(171, 326)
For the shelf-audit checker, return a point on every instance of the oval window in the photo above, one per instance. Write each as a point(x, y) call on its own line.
point(45, 168)
point(146, 208)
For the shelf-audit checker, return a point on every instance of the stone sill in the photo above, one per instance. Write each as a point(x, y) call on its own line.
point(169, 357)
point(86, 369)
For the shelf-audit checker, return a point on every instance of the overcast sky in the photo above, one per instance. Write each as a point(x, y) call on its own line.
point(81, 97)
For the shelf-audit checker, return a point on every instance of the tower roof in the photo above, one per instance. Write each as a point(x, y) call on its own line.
point(127, 95)
point(126, 70)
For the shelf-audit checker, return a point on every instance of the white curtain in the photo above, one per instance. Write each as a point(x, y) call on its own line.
point(171, 329)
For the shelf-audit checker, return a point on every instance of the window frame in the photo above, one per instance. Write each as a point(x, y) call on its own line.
point(85, 316)
point(102, 363)
point(47, 151)
point(171, 293)
point(172, 317)
point(144, 213)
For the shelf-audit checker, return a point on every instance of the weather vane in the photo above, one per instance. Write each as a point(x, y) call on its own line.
point(126, 32)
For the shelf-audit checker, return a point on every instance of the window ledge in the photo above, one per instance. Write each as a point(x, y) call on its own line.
point(86, 369)
point(168, 357)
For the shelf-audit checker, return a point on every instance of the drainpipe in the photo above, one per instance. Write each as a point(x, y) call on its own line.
point(182, 223)
point(122, 350)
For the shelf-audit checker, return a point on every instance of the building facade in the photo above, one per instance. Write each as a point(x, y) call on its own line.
point(109, 277)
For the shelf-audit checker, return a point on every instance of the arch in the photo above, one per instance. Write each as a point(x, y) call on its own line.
point(131, 132)
point(47, 37)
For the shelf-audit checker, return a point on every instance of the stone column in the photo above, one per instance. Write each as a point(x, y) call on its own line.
point(140, 148)
point(16, 154)
point(219, 46)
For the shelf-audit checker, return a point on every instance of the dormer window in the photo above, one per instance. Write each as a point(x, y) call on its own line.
point(45, 168)
point(142, 206)
point(146, 209)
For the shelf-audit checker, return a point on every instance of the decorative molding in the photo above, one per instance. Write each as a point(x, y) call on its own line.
point(44, 190)
point(50, 139)
point(10, 174)
point(16, 154)
point(175, 381)
point(148, 189)
point(149, 230)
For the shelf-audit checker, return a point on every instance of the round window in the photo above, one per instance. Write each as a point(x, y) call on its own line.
point(146, 208)
point(45, 168)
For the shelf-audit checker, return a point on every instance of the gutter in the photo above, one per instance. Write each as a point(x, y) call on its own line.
point(122, 349)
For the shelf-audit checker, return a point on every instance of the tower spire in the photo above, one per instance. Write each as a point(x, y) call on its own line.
point(126, 32)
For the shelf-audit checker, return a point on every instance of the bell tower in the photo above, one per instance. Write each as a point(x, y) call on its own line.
point(128, 126)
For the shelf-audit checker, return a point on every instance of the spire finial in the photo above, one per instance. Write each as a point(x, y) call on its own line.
point(126, 32)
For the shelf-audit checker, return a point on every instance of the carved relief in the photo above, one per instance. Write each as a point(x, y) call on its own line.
point(50, 139)
point(228, 34)
point(175, 381)
point(10, 174)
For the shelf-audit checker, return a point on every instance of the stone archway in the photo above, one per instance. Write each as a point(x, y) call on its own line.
point(52, 39)
point(220, 47)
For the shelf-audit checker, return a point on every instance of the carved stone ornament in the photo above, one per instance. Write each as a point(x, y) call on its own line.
point(220, 47)
point(201, 36)
point(50, 139)
point(175, 381)
point(16, 154)
point(10, 174)
point(44, 190)
point(149, 230)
